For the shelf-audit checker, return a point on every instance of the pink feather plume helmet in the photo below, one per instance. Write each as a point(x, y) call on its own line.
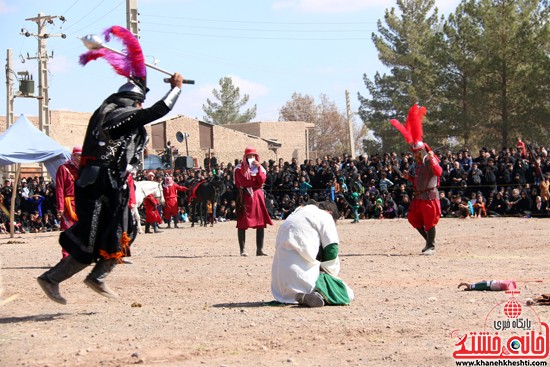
point(130, 65)
point(412, 130)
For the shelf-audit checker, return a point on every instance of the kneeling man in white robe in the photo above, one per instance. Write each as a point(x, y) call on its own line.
point(306, 264)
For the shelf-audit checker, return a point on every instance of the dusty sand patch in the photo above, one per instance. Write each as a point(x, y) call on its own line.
point(203, 305)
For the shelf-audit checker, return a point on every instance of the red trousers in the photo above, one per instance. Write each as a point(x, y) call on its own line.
point(424, 213)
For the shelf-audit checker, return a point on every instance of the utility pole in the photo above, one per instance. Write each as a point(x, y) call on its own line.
point(42, 56)
point(9, 103)
point(132, 25)
point(9, 88)
point(132, 21)
point(350, 126)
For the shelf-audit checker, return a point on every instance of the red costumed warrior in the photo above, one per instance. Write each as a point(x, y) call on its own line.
point(425, 209)
point(170, 191)
point(152, 216)
point(65, 178)
point(249, 178)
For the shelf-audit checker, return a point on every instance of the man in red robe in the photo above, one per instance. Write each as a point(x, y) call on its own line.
point(249, 178)
point(65, 178)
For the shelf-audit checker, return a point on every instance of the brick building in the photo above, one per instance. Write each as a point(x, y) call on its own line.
point(273, 140)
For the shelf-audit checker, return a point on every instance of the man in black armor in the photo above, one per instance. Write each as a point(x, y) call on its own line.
point(114, 141)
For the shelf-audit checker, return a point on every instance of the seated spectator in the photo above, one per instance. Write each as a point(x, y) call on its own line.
point(445, 204)
point(231, 213)
point(344, 209)
point(221, 212)
point(378, 209)
point(464, 211)
point(479, 206)
point(4, 222)
point(183, 216)
point(287, 206)
point(512, 203)
point(496, 205)
point(524, 204)
point(36, 224)
point(20, 222)
point(48, 222)
point(539, 209)
point(361, 211)
point(390, 208)
point(403, 207)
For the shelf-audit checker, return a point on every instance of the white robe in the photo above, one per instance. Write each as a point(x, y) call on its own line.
point(295, 268)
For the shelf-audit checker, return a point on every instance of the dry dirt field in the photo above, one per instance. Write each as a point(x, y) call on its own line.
point(190, 300)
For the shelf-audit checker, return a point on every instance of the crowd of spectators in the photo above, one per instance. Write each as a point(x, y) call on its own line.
point(491, 183)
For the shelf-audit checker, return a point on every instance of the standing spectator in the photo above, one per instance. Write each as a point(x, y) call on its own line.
point(213, 163)
point(65, 179)
point(354, 203)
point(384, 183)
point(465, 160)
point(474, 179)
point(456, 176)
point(304, 186)
point(489, 178)
point(249, 178)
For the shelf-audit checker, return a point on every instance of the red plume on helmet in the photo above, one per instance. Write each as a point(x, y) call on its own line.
point(130, 65)
point(412, 130)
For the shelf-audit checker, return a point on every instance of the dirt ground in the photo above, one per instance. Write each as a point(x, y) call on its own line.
point(190, 300)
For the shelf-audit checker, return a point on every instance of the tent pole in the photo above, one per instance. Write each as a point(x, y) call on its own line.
point(13, 195)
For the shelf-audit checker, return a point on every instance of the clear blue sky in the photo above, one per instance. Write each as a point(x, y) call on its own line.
point(271, 49)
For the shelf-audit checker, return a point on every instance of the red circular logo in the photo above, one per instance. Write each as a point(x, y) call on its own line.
point(512, 309)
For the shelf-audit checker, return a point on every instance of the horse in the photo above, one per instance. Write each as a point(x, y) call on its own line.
point(144, 188)
point(203, 192)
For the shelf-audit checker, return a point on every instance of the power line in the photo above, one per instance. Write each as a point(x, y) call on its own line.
point(253, 22)
point(262, 30)
point(98, 19)
point(257, 38)
point(70, 7)
point(85, 16)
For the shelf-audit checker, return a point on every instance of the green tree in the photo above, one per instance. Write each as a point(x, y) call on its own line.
point(227, 108)
point(514, 64)
point(457, 107)
point(405, 46)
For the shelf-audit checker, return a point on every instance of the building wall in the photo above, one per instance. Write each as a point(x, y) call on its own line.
point(291, 134)
point(227, 144)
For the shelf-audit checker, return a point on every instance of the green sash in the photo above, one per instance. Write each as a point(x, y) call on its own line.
point(334, 290)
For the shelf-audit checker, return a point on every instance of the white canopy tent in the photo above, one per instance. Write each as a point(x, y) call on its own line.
point(22, 142)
